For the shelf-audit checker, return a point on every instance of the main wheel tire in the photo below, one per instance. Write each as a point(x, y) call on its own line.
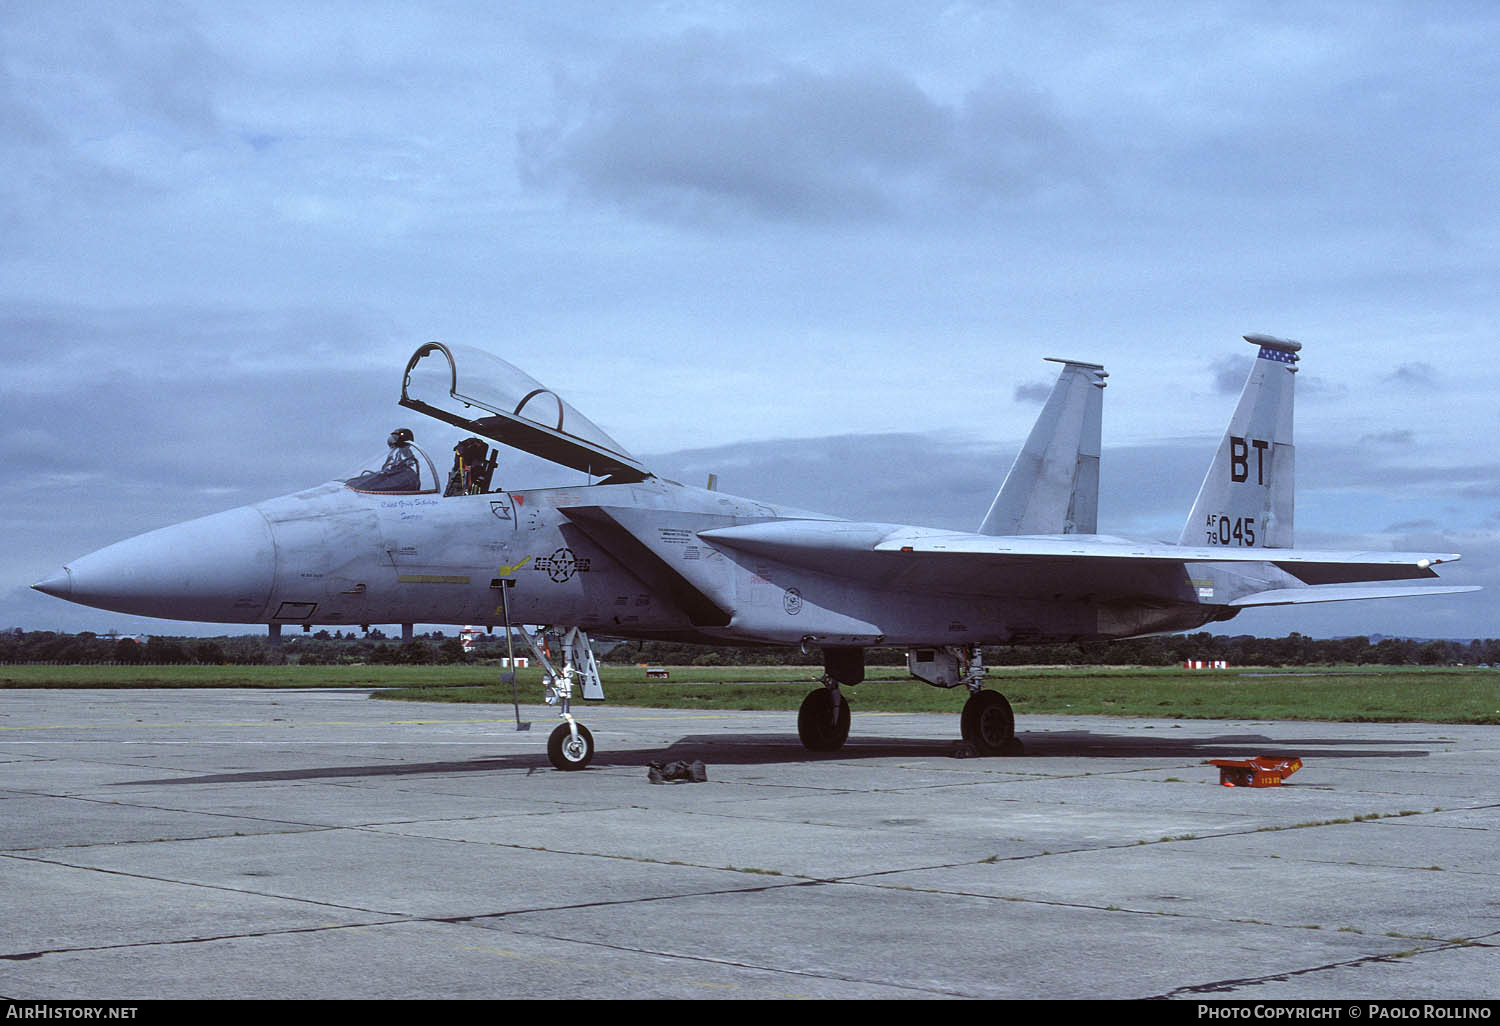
point(989, 724)
point(818, 727)
point(567, 753)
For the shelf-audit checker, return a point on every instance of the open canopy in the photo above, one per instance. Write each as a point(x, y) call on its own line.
point(478, 392)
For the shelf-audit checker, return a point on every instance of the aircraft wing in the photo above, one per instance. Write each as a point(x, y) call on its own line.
point(1037, 566)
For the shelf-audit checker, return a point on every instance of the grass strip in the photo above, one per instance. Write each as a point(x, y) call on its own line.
point(1347, 694)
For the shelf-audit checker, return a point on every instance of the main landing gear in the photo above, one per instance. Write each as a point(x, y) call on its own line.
point(989, 725)
point(823, 720)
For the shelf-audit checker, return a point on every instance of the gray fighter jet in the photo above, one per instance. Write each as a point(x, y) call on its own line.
point(626, 553)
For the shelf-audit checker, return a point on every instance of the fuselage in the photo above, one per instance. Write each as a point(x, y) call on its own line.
point(332, 555)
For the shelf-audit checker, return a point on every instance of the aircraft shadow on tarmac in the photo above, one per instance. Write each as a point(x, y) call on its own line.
point(786, 749)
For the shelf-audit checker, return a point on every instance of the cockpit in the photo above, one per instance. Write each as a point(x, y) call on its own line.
point(406, 469)
point(403, 469)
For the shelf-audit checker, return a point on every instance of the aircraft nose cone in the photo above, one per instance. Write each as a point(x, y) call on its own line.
point(59, 585)
point(218, 568)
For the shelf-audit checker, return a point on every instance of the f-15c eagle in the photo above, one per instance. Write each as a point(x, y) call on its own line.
point(629, 554)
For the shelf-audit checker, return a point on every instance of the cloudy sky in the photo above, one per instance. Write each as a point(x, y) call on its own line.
point(819, 249)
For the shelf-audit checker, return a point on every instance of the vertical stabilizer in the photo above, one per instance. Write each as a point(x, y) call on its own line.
point(1246, 497)
point(1053, 487)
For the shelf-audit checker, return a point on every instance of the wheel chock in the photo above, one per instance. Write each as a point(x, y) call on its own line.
point(1260, 771)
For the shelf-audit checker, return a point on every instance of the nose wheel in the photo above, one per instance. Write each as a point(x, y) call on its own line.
point(568, 750)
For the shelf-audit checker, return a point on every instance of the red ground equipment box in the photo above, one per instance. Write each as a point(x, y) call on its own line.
point(1260, 771)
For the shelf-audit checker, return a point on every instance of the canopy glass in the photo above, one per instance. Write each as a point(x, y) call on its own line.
point(476, 391)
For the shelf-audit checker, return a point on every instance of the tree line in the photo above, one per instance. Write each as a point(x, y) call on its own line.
point(375, 648)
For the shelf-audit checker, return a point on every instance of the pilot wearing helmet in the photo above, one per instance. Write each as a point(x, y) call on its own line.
point(399, 473)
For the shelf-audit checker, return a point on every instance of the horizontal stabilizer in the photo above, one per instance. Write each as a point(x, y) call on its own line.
point(1341, 593)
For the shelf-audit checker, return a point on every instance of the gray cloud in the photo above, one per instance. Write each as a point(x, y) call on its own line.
point(1412, 525)
point(1417, 375)
point(888, 478)
point(92, 105)
point(233, 404)
point(1316, 389)
point(1395, 468)
point(1033, 392)
point(1400, 436)
point(1230, 373)
point(698, 127)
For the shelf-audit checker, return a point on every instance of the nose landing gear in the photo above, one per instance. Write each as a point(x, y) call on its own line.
point(570, 745)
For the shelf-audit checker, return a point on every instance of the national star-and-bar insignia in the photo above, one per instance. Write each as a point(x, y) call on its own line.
point(562, 565)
